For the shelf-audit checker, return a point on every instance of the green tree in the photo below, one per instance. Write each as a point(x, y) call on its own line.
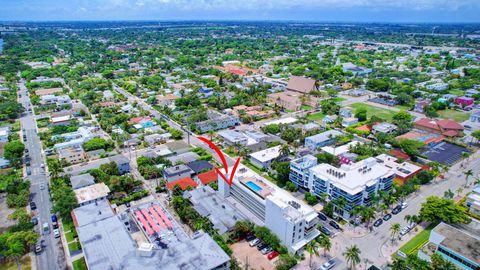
point(13, 151)
point(394, 231)
point(437, 209)
point(361, 114)
point(312, 249)
point(467, 174)
point(352, 255)
point(325, 243)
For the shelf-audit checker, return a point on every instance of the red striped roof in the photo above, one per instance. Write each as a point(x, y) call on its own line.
point(183, 183)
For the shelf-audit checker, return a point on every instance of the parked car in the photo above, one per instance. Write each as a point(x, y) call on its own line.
point(387, 217)
point(403, 205)
point(29, 172)
point(46, 228)
point(34, 221)
point(334, 225)
point(249, 238)
point(54, 218)
point(397, 209)
point(322, 216)
point(404, 231)
point(328, 265)
point(254, 242)
point(325, 231)
point(378, 222)
point(33, 206)
point(266, 250)
point(262, 245)
point(56, 233)
point(272, 255)
point(38, 248)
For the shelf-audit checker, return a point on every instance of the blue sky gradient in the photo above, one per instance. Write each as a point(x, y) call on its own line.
point(310, 10)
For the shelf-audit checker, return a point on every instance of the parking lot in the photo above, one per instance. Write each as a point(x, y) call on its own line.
point(251, 256)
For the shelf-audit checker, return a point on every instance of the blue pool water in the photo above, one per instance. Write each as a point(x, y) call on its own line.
point(253, 186)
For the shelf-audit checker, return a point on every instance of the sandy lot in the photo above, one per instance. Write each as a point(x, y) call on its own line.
point(251, 256)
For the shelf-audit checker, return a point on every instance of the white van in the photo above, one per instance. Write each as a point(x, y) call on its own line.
point(46, 228)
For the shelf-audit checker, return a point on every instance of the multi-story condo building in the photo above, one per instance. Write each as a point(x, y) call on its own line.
point(355, 183)
point(290, 219)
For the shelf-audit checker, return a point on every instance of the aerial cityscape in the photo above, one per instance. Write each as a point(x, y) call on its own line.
point(215, 135)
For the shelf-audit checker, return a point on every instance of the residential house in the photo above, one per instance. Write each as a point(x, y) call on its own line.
point(475, 117)
point(91, 194)
point(82, 180)
point(199, 166)
point(288, 100)
point(60, 121)
point(384, 127)
point(177, 172)
point(183, 183)
point(178, 147)
point(233, 138)
point(464, 101)
point(325, 138)
point(95, 154)
point(437, 86)
point(263, 159)
point(445, 127)
point(473, 201)
point(48, 91)
point(349, 121)
point(4, 133)
point(123, 163)
point(420, 105)
point(217, 121)
point(167, 100)
point(471, 92)
point(72, 155)
point(345, 112)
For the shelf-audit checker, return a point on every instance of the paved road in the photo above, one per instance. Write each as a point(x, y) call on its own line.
point(52, 257)
point(371, 244)
point(189, 137)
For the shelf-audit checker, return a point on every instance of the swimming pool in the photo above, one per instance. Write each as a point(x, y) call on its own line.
point(253, 186)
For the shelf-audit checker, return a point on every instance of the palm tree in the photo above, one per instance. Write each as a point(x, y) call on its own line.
point(284, 151)
point(15, 250)
point(398, 264)
point(459, 190)
point(352, 255)
point(467, 175)
point(394, 230)
point(368, 214)
point(408, 218)
point(312, 249)
point(326, 244)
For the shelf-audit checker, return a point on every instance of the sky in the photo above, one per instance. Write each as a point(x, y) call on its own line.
point(300, 10)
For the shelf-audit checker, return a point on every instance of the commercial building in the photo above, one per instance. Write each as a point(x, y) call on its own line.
point(111, 241)
point(290, 219)
point(457, 243)
point(445, 127)
point(217, 121)
point(403, 171)
point(356, 183)
point(264, 158)
point(72, 155)
point(325, 138)
point(301, 85)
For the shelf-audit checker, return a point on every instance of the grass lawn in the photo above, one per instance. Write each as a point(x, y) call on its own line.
point(70, 236)
point(455, 115)
point(74, 246)
point(25, 263)
point(417, 242)
point(403, 107)
point(457, 92)
point(338, 99)
point(80, 264)
point(306, 107)
point(68, 226)
point(372, 110)
point(316, 116)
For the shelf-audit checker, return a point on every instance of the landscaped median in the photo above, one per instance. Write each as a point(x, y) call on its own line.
point(80, 264)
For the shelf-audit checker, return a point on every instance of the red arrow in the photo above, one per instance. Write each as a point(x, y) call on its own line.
point(224, 161)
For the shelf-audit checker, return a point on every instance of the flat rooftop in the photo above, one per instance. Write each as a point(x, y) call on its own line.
point(92, 192)
point(403, 169)
point(352, 178)
point(464, 239)
point(267, 154)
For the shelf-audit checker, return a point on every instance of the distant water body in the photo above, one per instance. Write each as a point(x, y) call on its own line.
point(1, 45)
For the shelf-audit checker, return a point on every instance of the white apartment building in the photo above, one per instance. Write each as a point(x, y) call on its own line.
point(290, 219)
point(264, 158)
point(355, 183)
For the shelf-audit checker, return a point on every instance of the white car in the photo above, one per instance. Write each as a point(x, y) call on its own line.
point(328, 265)
point(56, 233)
point(404, 205)
point(254, 242)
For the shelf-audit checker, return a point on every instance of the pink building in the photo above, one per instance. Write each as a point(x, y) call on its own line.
point(464, 101)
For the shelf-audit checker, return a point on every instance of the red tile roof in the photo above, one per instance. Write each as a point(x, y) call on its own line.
point(300, 84)
point(208, 177)
point(449, 124)
point(399, 154)
point(184, 183)
point(428, 123)
point(450, 133)
point(137, 120)
point(237, 71)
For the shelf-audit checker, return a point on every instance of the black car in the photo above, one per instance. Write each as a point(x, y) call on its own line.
point(261, 246)
point(33, 206)
point(397, 209)
point(334, 225)
point(378, 222)
point(250, 238)
point(387, 217)
point(322, 216)
point(325, 231)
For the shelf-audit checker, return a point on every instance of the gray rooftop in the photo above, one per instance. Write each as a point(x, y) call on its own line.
point(209, 204)
point(325, 136)
point(82, 180)
point(184, 157)
point(107, 245)
point(177, 170)
point(463, 239)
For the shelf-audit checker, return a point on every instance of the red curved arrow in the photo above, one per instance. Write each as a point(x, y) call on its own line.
point(219, 153)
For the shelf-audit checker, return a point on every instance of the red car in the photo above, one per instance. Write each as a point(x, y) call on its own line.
point(272, 255)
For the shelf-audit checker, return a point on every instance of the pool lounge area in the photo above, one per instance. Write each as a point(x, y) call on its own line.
point(257, 186)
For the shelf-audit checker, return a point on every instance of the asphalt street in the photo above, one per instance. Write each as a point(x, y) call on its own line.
point(52, 255)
